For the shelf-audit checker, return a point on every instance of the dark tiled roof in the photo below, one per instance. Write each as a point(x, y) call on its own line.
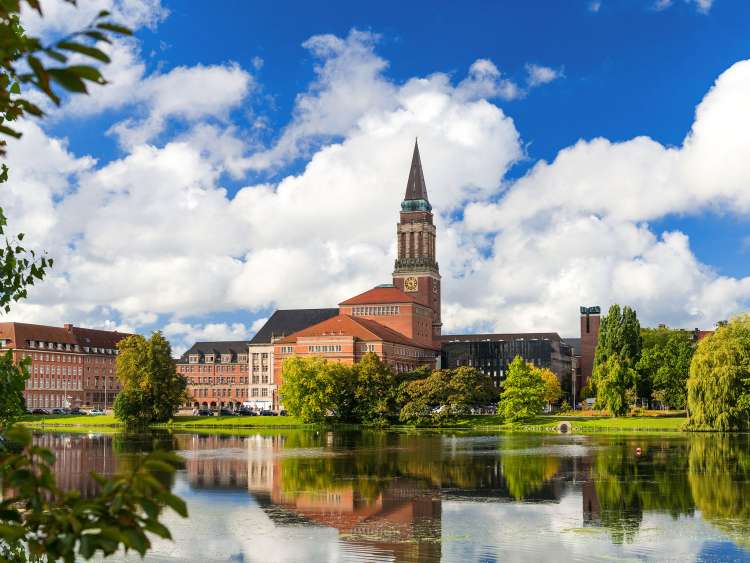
point(284, 322)
point(504, 336)
point(21, 333)
point(217, 348)
point(98, 338)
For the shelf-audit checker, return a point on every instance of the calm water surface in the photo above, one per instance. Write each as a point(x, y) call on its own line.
point(385, 496)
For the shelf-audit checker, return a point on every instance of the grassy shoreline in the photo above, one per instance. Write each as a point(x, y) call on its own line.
point(542, 423)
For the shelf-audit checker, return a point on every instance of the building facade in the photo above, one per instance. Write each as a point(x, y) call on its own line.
point(69, 366)
point(492, 353)
point(216, 373)
point(264, 389)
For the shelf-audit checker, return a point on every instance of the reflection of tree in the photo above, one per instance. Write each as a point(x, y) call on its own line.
point(527, 474)
point(627, 485)
point(719, 475)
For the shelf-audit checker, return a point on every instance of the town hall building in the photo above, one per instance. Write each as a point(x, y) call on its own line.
point(400, 321)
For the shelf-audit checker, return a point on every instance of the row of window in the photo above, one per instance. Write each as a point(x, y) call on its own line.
point(287, 349)
point(238, 392)
point(376, 310)
point(324, 348)
point(217, 380)
point(71, 347)
point(211, 358)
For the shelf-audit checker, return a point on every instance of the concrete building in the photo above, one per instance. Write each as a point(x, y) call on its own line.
point(70, 366)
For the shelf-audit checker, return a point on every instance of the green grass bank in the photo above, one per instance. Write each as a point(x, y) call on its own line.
point(542, 423)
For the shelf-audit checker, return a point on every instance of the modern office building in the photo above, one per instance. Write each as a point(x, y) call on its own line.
point(70, 366)
point(492, 353)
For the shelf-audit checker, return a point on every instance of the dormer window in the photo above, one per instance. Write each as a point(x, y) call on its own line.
point(242, 358)
point(193, 358)
point(208, 358)
point(32, 343)
point(226, 358)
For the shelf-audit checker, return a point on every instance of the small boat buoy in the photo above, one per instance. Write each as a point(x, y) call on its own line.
point(638, 451)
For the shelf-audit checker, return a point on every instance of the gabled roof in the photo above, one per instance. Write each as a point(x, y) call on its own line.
point(217, 348)
point(379, 295)
point(287, 321)
point(97, 338)
point(359, 328)
point(416, 188)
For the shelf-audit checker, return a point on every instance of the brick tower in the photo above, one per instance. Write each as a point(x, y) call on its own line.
point(416, 270)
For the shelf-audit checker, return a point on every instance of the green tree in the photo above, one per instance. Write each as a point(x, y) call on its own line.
point(12, 380)
point(522, 393)
point(619, 335)
point(24, 68)
point(375, 390)
point(445, 394)
point(719, 382)
point(151, 390)
point(613, 380)
point(314, 388)
point(552, 388)
point(665, 364)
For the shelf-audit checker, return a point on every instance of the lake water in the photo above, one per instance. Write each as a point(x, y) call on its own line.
point(298, 496)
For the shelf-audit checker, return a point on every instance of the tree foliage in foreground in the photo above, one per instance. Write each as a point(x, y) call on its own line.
point(619, 335)
point(719, 382)
point(523, 391)
point(27, 65)
point(38, 520)
point(151, 389)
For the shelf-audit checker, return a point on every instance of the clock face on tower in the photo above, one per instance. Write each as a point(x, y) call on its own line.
point(411, 284)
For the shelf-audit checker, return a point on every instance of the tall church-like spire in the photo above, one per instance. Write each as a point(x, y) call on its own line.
point(416, 188)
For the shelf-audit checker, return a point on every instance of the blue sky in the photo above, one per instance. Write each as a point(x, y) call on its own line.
point(620, 70)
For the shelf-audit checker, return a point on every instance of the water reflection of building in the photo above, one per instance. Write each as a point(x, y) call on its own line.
point(76, 457)
point(214, 462)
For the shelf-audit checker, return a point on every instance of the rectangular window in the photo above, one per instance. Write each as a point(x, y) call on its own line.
point(264, 392)
point(254, 392)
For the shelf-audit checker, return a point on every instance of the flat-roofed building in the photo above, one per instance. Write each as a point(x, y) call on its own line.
point(492, 353)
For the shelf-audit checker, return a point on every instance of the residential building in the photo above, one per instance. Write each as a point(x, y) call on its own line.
point(69, 366)
point(263, 392)
point(217, 374)
point(492, 353)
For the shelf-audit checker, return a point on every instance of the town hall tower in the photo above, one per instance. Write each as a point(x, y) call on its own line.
point(416, 271)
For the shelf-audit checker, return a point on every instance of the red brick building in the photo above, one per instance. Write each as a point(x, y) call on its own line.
point(216, 373)
point(70, 366)
point(400, 322)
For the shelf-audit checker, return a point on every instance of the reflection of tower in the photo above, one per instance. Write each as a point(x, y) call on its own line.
point(591, 509)
point(589, 337)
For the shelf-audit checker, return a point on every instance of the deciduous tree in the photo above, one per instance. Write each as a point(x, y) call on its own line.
point(522, 393)
point(151, 389)
point(552, 388)
point(719, 382)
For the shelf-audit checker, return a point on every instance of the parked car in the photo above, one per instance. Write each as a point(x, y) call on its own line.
point(282, 412)
point(96, 412)
point(226, 412)
point(267, 413)
point(58, 411)
point(244, 411)
point(40, 411)
point(75, 410)
point(205, 412)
